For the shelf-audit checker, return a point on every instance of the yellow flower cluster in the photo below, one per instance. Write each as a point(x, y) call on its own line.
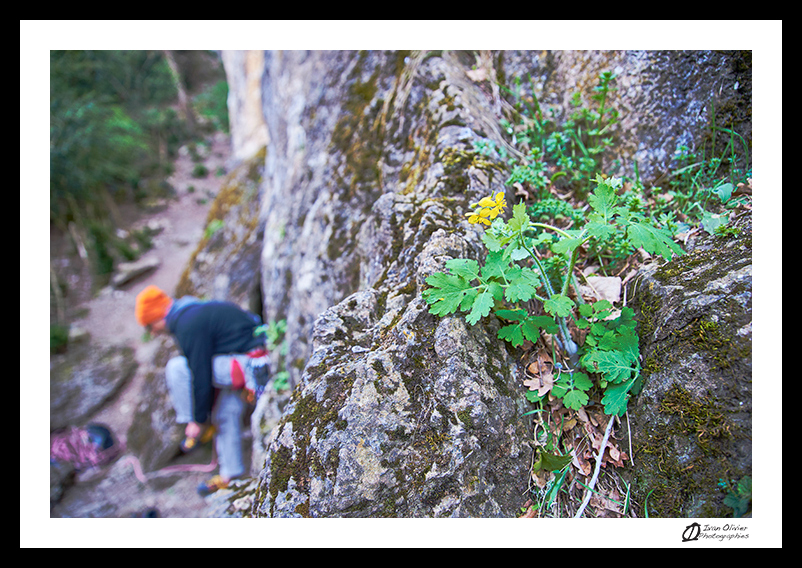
point(489, 209)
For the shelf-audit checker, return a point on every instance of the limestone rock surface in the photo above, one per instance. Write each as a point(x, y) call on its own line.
point(370, 168)
point(85, 378)
point(692, 423)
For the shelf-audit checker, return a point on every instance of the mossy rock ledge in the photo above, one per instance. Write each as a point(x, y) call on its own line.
point(692, 422)
point(395, 412)
point(370, 168)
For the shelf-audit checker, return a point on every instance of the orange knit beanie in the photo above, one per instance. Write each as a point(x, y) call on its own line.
point(151, 305)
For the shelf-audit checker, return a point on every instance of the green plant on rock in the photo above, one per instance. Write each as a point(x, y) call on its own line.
point(739, 496)
point(213, 226)
point(212, 105)
point(274, 333)
point(513, 275)
point(570, 151)
point(200, 171)
point(612, 250)
point(59, 336)
point(703, 184)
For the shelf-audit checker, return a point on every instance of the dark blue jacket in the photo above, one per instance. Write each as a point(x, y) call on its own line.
point(205, 329)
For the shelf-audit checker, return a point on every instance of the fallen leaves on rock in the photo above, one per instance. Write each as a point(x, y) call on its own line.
point(540, 374)
point(568, 438)
point(577, 435)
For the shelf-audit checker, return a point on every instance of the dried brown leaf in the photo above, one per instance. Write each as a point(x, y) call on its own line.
point(477, 75)
point(519, 190)
point(541, 478)
point(744, 188)
point(582, 464)
point(542, 379)
point(606, 287)
point(547, 384)
point(607, 505)
point(614, 456)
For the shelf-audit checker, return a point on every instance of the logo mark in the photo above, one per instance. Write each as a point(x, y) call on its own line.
point(691, 532)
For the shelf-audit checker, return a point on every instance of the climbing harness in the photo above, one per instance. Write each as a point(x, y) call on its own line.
point(247, 373)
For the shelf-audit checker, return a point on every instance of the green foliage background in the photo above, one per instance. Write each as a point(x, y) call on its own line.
point(114, 132)
point(102, 107)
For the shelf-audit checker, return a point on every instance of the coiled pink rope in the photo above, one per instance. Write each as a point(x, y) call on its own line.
point(75, 447)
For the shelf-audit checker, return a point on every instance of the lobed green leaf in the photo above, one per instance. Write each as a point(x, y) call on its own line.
point(623, 341)
point(566, 245)
point(559, 305)
point(496, 266)
point(616, 396)
point(575, 399)
point(654, 240)
point(603, 201)
point(447, 293)
point(520, 219)
point(528, 327)
point(517, 314)
point(615, 366)
point(581, 381)
point(599, 229)
point(481, 306)
point(523, 285)
point(464, 268)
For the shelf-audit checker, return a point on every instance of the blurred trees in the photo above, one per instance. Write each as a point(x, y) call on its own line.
point(101, 127)
point(113, 134)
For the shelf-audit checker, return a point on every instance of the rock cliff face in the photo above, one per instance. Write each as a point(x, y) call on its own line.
point(396, 413)
point(246, 121)
point(345, 128)
point(82, 380)
point(692, 424)
point(369, 171)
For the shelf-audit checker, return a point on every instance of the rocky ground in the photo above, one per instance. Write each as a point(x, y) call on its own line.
point(108, 317)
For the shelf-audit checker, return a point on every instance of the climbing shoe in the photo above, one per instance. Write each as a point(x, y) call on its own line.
point(188, 444)
point(212, 485)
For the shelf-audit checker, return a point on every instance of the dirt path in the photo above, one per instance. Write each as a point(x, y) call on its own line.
point(110, 320)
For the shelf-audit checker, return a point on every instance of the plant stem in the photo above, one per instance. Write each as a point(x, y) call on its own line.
point(533, 256)
point(568, 344)
point(571, 264)
point(598, 468)
point(551, 228)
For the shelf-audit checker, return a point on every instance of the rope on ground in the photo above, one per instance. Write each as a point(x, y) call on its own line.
point(142, 477)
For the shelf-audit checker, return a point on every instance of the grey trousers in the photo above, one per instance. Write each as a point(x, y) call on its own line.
point(226, 414)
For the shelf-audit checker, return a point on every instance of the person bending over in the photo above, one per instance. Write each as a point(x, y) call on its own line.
point(206, 383)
